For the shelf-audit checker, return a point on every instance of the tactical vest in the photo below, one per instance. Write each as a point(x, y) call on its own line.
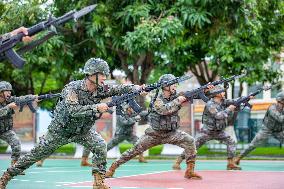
point(270, 122)
point(209, 121)
point(6, 122)
point(164, 122)
point(75, 125)
point(122, 128)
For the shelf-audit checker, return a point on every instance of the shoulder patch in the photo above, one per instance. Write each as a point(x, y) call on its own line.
point(72, 97)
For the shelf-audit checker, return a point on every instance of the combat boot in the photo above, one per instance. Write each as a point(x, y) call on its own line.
point(231, 165)
point(111, 170)
point(176, 165)
point(142, 159)
point(85, 163)
point(6, 177)
point(189, 173)
point(99, 182)
point(39, 163)
point(13, 162)
point(237, 160)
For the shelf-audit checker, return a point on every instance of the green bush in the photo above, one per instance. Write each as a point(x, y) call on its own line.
point(66, 149)
point(156, 150)
point(3, 148)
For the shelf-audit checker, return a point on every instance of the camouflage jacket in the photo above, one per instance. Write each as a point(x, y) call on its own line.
point(77, 111)
point(164, 115)
point(6, 115)
point(125, 124)
point(215, 115)
point(274, 118)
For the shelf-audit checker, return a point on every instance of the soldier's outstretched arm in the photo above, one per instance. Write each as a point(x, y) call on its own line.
point(167, 108)
point(218, 114)
point(121, 89)
point(70, 98)
point(4, 111)
point(276, 114)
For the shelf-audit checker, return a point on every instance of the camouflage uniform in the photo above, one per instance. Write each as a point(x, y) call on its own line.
point(6, 123)
point(273, 126)
point(124, 131)
point(164, 121)
point(73, 121)
point(215, 119)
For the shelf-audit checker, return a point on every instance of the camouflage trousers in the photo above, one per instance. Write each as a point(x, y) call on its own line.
point(153, 138)
point(13, 140)
point(261, 138)
point(221, 136)
point(51, 141)
point(118, 138)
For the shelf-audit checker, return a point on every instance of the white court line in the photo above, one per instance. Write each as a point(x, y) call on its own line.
point(142, 174)
point(39, 181)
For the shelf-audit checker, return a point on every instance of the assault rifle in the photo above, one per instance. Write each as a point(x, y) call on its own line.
point(199, 92)
point(6, 48)
point(29, 100)
point(130, 97)
point(243, 101)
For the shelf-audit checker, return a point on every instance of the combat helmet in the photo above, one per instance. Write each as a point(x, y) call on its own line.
point(5, 86)
point(214, 91)
point(280, 97)
point(96, 65)
point(166, 77)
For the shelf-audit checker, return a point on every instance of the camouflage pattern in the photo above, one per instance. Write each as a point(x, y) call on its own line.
point(72, 121)
point(214, 91)
point(96, 65)
point(165, 116)
point(280, 97)
point(166, 78)
point(273, 126)
point(158, 135)
point(124, 131)
point(5, 86)
point(6, 126)
point(215, 119)
point(13, 140)
point(215, 115)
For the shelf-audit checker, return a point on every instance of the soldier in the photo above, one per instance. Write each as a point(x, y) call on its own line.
point(272, 126)
point(73, 119)
point(15, 32)
point(164, 122)
point(214, 119)
point(7, 110)
point(125, 122)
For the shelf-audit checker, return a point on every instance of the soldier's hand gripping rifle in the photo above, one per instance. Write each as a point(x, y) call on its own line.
point(6, 48)
point(130, 97)
point(28, 100)
point(243, 101)
point(199, 92)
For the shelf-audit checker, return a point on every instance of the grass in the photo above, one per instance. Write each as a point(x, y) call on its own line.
point(156, 150)
point(3, 148)
point(260, 151)
point(67, 149)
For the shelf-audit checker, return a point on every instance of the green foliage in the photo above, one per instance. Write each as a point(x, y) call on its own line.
point(3, 146)
point(156, 150)
point(148, 38)
point(68, 149)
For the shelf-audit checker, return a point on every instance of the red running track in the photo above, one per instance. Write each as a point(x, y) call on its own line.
point(211, 180)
